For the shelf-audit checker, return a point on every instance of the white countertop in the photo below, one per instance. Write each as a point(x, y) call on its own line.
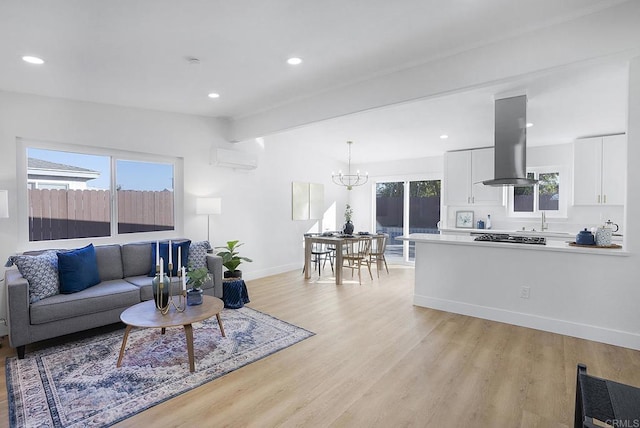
point(551, 245)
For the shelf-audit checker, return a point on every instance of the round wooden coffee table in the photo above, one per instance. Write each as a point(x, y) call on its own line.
point(145, 315)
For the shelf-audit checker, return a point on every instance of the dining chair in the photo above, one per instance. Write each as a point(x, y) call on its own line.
point(320, 253)
point(378, 247)
point(356, 253)
point(604, 400)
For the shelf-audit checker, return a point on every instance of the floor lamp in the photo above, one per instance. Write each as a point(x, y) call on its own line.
point(208, 206)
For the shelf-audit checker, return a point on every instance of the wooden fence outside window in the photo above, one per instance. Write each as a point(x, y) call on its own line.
point(67, 214)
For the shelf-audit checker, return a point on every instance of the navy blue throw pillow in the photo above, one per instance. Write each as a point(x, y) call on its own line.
point(78, 269)
point(164, 253)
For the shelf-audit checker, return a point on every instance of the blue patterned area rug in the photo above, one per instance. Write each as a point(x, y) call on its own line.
point(77, 384)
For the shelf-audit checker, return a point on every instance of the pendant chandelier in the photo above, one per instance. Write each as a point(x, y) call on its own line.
point(349, 180)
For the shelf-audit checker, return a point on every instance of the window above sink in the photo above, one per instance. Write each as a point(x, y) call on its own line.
point(549, 195)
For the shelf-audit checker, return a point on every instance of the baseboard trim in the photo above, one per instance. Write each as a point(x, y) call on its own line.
point(255, 274)
point(567, 328)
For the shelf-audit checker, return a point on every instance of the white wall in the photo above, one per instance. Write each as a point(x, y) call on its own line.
point(256, 205)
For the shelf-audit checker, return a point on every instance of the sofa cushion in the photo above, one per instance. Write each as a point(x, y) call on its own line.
point(146, 290)
point(78, 269)
point(109, 259)
point(198, 254)
point(164, 253)
point(136, 259)
point(105, 296)
point(41, 271)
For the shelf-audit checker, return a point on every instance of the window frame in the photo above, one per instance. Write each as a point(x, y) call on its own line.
point(563, 194)
point(114, 155)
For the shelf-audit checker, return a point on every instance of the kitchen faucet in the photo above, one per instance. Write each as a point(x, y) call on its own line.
point(544, 225)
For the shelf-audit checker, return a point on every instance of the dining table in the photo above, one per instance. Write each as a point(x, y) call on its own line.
point(336, 240)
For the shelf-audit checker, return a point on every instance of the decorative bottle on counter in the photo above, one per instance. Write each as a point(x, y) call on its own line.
point(488, 221)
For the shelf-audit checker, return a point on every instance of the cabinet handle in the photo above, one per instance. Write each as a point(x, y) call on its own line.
point(473, 199)
point(468, 199)
point(598, 198)
point(604, 199)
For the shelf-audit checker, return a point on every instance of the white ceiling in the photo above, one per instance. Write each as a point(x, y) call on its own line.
point(133, 53)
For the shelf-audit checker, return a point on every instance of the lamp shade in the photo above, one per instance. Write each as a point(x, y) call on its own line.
point(4, 204)
point(208, 206)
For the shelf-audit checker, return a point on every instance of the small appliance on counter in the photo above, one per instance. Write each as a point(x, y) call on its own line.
point(604, 234)
point(585, 238)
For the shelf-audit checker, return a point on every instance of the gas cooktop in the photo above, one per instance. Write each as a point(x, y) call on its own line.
point(516, 239)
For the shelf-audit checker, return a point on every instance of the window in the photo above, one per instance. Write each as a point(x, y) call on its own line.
point(549, 195)
point(145, 196)
point(72, 195)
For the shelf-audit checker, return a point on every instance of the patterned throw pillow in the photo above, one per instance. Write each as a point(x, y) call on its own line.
point(198, 254)
point(41, 272)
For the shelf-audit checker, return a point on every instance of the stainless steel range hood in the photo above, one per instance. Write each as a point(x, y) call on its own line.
point(510, 143)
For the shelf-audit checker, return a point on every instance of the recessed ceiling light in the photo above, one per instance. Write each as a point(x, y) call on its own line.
point(294, 61)
point(33, 60)
point(444, 136)
point(213, 95)
point(529, 125)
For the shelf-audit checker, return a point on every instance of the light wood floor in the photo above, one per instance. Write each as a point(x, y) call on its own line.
point(378, 361)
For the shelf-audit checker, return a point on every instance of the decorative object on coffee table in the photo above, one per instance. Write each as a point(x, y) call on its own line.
point(161, 285)
point(163, 293)
point(197, 278)
point(231, 260)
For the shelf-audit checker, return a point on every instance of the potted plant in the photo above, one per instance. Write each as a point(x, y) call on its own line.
point(231, 260)
point(196, 278)
point(348, 226)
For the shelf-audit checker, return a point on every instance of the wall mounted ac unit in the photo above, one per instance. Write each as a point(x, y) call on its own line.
point(233, 159)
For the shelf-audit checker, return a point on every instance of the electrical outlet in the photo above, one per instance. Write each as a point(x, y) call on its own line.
point(524, 292)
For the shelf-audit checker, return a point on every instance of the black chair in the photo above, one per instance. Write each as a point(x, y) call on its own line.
point(604, 400)
point(320, 253)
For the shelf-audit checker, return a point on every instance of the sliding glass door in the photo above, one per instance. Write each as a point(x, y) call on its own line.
point(404, 207)
point(424, 209)
point(389, 211)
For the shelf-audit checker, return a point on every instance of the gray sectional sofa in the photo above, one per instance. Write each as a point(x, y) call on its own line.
point(124, 281)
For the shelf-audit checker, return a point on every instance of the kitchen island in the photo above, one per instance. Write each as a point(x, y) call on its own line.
point(553, 287)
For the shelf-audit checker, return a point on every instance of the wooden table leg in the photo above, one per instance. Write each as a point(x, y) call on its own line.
point(307, 257)
point(124, 345)
point(188, 331)
point(220, 324)
point(339, 263)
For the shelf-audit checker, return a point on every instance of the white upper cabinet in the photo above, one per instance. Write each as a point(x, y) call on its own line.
point(599, 170)
point(464, 172)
